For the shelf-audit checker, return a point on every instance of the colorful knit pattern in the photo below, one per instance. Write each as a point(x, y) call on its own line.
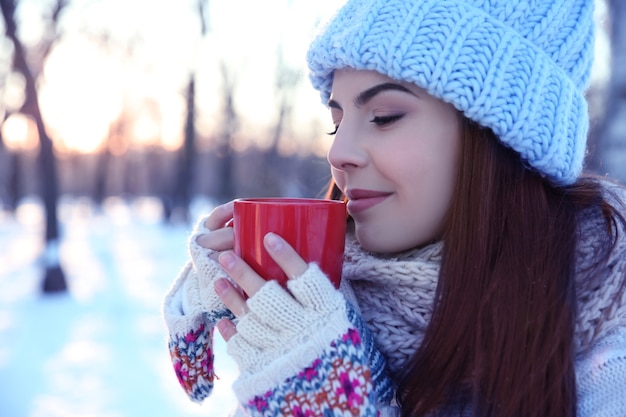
point(338, 383)
point(214, 316)
point(192, 357)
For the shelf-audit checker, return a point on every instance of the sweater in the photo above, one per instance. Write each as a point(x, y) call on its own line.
point(336, 351)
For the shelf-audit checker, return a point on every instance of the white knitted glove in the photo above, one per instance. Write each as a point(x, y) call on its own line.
point(207, 271)
point(192, 297)
point(277, 321)
point(286, 333)
point(191, 309)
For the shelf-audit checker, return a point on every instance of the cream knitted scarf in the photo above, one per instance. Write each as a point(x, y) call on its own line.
point(395, 294)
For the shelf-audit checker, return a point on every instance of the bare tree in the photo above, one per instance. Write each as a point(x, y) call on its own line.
point(186, 157)
point(610, 153)
point(11, 164)
point(224, 151)
point(286, 79)
point(183, 184)
point(119, 129)
point(116, 139)
point(54, 278)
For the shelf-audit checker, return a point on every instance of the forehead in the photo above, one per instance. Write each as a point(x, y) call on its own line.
point(349, 79)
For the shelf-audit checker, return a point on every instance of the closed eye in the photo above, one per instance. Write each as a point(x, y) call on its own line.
point(385, 120)
point(334, 132)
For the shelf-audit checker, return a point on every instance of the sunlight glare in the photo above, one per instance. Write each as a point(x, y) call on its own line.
point(146, 130)
point(172, 125)
point(19, 132)
point(81, 96)
point(248, 43)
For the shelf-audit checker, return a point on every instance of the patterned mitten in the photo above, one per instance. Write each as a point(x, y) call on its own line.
point(305, 352)
point(191, 309)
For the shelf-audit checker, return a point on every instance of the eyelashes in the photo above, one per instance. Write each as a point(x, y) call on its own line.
point(379, 121)
point(385, 120)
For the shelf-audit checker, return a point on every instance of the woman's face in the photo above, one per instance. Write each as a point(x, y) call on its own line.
point(395, 156)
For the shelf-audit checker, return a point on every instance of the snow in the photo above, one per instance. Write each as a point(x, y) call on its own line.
point(99, 350)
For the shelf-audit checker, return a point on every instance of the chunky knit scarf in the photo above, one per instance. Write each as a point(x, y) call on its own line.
point(396, 294)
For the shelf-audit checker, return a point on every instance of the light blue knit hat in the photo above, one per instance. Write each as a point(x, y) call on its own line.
point(519, 67)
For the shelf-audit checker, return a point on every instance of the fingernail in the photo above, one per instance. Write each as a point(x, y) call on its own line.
point(225, 328)
point(222, 326)
point(227, 260)
point(221, 285)
point(273, 242)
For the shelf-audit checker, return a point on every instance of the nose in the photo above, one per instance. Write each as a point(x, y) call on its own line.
point(345, 152)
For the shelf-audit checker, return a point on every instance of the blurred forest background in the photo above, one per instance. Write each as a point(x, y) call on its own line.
point(108, 99)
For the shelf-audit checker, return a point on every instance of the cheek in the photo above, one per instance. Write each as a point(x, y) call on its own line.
point(430, 187)
point(442, 187)
point(338, 177)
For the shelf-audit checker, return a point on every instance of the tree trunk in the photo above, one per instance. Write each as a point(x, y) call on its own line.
point(227, 186)
point(54, 278)
point(14, 186)
point(186, 160)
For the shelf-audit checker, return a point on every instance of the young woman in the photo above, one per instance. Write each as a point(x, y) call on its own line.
point(483, 276)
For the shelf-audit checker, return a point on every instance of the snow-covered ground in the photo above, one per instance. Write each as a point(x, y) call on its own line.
point(99, 350)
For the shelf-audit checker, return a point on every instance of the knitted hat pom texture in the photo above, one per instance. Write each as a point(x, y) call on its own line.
point(519, 68)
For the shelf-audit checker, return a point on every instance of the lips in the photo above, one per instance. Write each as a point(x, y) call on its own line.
point(361, 200)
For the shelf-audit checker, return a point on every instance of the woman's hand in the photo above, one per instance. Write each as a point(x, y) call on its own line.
point(249, 281)
point(220, 237)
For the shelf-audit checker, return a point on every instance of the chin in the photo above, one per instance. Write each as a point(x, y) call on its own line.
point(365, 242)
point(381, 244)
point(375, 244)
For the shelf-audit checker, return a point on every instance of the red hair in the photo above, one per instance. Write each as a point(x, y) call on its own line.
point(500, 340)
point(501, 336)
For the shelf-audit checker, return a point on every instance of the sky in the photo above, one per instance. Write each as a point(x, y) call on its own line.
point(151, 48)
point(136, 55)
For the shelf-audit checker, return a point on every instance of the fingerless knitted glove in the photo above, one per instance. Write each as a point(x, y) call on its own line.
point(191, 309)
point(305, 352)
point(301, 352)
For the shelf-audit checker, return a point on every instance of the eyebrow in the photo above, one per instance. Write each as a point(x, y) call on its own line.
point(370, 93)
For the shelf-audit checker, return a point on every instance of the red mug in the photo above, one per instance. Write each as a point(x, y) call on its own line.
point(315, 228)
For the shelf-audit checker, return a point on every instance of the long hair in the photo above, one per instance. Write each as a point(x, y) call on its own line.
point(500, 340)
point(501, 336)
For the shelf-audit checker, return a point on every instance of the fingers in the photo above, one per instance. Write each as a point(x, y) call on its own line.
point(284, 255)
point(218, 240)
point(243, 275)
point(231, 297)
point(219, 216)
point(248, 280)
point(218, 237)
point(227, 329)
